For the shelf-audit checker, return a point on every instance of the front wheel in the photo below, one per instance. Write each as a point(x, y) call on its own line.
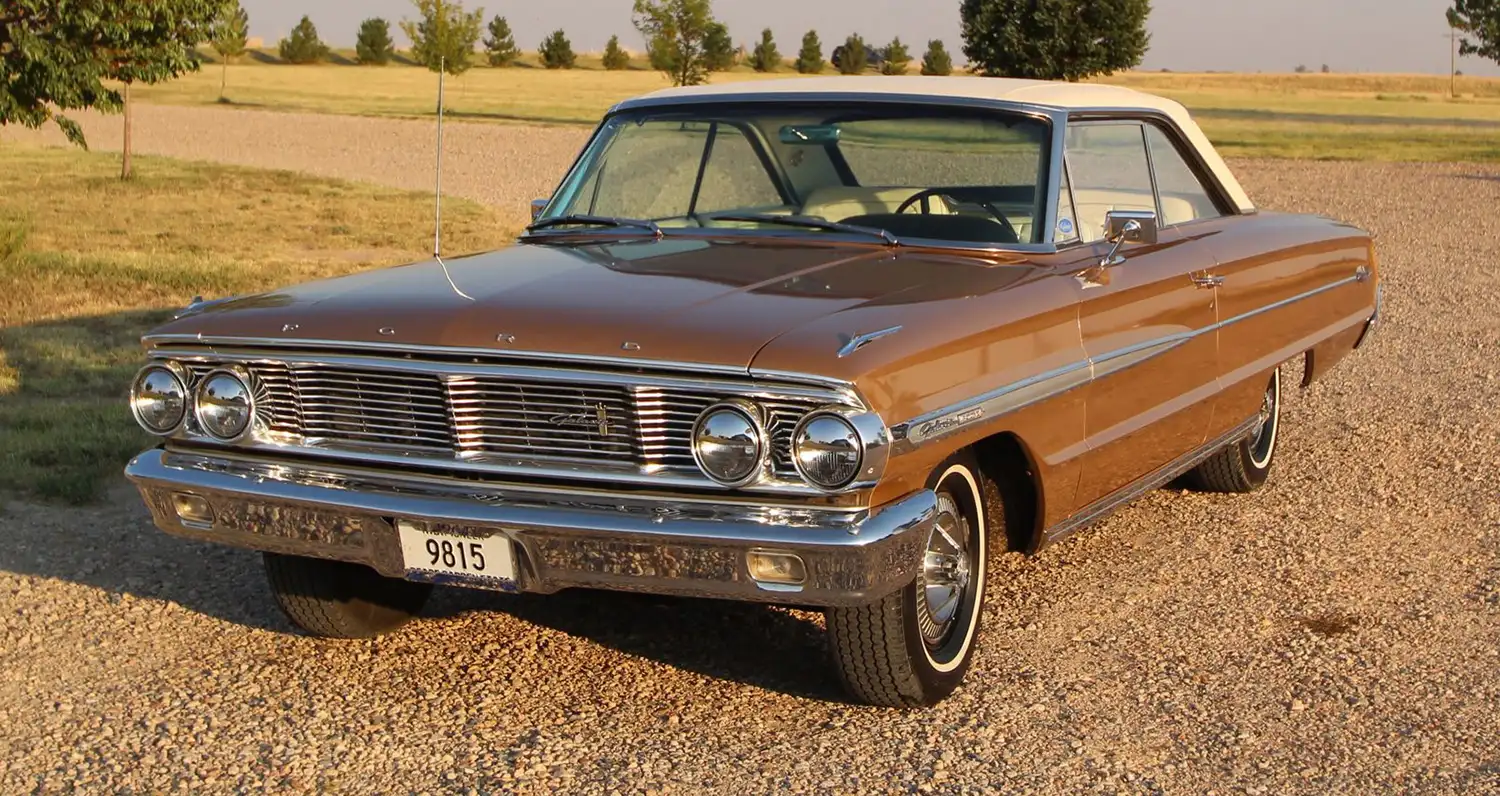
point(337, 599)
point(1244, 466)
point(912, 648)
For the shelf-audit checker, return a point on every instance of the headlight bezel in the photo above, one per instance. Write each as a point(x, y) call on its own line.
point(183, 381)
point(862, 446)
point(246, 384)
point(754, 417)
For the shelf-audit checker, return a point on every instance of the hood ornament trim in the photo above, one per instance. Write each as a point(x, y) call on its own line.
point(859, 341)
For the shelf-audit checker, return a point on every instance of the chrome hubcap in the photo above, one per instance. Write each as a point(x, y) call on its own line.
point(945, 573)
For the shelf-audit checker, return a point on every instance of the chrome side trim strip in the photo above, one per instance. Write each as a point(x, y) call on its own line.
point(1161, 475)
point(957, 417)
point(951, 420)
point(861, 340)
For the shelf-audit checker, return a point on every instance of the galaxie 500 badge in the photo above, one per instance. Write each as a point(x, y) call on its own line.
point(935, 427)
point(598, 419)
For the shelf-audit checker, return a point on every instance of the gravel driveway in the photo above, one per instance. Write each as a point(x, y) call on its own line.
point(1337, 632)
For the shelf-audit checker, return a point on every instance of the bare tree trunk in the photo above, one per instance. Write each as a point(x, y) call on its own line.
point(125, 161)
point(224, 78)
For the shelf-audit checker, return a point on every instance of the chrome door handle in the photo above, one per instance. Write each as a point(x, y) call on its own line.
point(1207, 280)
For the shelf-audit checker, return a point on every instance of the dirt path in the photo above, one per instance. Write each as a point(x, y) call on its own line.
point(1337, 632)
point(501, 165)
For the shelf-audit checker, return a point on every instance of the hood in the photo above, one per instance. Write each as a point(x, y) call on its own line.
point(688, 300)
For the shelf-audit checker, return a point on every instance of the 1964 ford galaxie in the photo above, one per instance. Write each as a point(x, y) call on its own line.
point(828, 343)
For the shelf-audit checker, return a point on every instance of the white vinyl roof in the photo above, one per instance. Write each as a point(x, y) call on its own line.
point(1049, 94)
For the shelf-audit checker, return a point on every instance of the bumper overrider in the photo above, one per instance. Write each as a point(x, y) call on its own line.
point(561, 538)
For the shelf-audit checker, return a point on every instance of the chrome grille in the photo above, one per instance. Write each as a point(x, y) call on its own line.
point(511, 418)
point(381, 408)
point(504, 420)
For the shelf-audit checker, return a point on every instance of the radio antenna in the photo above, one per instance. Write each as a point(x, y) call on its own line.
point(437, 231)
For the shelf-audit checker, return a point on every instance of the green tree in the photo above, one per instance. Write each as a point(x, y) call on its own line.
point(231, 36)
point(557, 51)
point(1054, 39)
point(615, 58)
point(303, 45)
point(373, 45)
point(677, 34)
point(852, 58)
point(501, 43)
point(765, 58)
point(444, 35)
point(810, 58)
point(937, 61)
point(718, 49)
point(55, 55)
point(1479, 21)
point(896, 57)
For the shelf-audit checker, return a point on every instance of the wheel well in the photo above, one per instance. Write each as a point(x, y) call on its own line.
point(1004, 459)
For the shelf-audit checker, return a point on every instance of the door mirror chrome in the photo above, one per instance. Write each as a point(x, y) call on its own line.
point(1127, 226)
point(537, 206)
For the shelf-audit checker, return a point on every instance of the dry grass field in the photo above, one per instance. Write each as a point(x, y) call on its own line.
point(89, 263)
point(1313, 116)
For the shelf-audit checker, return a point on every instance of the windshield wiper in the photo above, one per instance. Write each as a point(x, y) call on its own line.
point(596, 221)
point(807, 222)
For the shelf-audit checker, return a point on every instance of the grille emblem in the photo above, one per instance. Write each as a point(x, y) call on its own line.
point(597, 419)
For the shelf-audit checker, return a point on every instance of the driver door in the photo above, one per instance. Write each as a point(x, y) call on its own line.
point(1147, 326)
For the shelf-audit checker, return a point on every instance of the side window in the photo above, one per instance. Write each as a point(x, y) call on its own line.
point(1109, 171)
point(1183, 197)
point(735, 178)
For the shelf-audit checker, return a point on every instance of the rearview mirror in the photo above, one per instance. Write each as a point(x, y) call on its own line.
point(809, 134)
point(1127, 226)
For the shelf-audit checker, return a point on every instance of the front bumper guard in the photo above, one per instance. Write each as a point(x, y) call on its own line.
point(563, 538)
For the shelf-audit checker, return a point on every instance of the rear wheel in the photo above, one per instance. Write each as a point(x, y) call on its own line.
point(337, 599)
point(1244, 466)
point(912, 648)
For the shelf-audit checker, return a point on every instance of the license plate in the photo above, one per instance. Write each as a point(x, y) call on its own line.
point(461, 557)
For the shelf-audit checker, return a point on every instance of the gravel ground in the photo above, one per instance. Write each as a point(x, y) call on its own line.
point(1337, 632)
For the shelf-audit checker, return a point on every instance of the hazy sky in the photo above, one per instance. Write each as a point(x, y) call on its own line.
point(1239, 35)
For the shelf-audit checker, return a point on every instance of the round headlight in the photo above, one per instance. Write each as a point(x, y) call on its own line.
point(729, 443)
point(158, 399)
point(827, 451)
point(223, 405)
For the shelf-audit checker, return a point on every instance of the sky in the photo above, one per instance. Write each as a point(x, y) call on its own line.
point(1186, 35)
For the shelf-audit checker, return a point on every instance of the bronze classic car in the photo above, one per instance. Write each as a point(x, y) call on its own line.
point(826, 343)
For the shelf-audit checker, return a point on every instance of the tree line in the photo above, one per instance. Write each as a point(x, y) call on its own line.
point(684, 41)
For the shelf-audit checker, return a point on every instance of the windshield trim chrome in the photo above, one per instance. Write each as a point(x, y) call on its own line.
point(1056, 117)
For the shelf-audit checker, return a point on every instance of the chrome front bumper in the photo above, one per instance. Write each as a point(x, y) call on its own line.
point(563, 538)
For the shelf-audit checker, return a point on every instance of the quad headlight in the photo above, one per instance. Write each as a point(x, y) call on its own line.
point(827, 450)
point(224, 405)
point(729, 443)
point(158, 398)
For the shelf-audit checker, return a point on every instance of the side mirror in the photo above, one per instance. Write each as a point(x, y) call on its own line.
point(1127, 226)
point(537, 206)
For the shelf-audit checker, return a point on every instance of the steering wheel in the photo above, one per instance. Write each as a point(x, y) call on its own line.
point(925, 197)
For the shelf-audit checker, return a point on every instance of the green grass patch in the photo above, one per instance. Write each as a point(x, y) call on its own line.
point(90, 263)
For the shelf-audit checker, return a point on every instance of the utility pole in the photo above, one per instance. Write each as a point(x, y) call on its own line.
point(1453, 36)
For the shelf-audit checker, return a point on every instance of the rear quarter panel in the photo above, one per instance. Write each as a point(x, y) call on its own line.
point(1292, 283)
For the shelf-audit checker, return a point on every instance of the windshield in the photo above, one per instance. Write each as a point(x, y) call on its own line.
point(942, 174)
